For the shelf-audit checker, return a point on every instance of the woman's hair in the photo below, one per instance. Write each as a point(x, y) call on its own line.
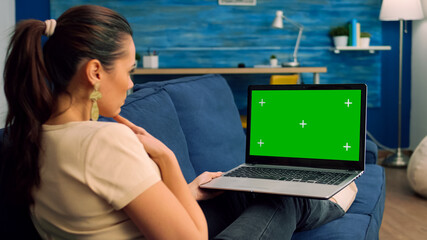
point(34, 77)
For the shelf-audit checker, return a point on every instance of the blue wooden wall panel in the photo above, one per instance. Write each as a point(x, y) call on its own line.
point(204, 34)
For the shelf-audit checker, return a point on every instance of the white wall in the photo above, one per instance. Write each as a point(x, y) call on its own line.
point(418, 119)
point(7, 21)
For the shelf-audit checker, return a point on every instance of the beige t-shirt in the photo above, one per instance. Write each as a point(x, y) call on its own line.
point(89, 172)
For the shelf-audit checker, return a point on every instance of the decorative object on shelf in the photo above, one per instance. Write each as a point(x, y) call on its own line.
point(278, 23)
point(397, 10)
point(151, 60)
point(339, 36)
point(365, 38)
point(273, 60)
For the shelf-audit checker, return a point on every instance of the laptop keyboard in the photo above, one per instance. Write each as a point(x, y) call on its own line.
point(289, 175)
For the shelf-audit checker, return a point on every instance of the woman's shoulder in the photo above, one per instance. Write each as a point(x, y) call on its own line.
point(105, 126)
point(85, 125)
point(110, 130)
point(89, 130)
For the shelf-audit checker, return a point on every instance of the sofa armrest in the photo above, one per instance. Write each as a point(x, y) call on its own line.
point(371, 152)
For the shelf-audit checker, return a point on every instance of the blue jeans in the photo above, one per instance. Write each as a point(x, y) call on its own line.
point(240, 215)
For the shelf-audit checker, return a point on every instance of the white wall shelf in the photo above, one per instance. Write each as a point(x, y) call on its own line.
point(371, 49)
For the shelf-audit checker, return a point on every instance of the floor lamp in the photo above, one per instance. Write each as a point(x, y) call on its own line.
point(400, 10)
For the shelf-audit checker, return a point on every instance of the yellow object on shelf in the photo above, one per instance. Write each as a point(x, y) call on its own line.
point(284, 79)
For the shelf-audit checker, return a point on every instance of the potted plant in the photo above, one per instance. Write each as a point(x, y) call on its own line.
point(339, 35)
point(137, 59)
point(273, 60)
point(365, 38)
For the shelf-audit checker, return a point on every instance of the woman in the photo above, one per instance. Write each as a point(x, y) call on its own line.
point(88, 179)
point(95, 180)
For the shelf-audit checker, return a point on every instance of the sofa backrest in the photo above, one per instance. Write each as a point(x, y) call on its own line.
point(196, 117)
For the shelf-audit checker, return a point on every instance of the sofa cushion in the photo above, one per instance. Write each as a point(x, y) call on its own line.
point(209, 118)
point(370, 187)
point(350, 227)
point(371, 152)
point(370, 198)
point(153, 110)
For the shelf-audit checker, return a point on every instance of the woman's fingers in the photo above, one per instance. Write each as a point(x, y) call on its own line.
point(207, 177)
point(203, 194)
point(152, 145)
point(124, 121)
point(133, 127)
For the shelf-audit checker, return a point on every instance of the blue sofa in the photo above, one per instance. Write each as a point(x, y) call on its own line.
point(197, 118)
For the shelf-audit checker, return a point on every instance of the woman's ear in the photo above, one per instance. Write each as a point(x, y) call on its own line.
point(94, 71)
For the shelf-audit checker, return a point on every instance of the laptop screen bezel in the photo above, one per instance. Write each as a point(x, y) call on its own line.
point(311, 162)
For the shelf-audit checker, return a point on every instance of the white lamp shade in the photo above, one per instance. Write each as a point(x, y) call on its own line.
point(278, 20)
point(394, 10)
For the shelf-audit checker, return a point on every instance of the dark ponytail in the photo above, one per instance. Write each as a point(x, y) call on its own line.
point(35, 77)
point(30, 105)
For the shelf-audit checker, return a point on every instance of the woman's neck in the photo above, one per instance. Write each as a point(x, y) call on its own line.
point(70, 109)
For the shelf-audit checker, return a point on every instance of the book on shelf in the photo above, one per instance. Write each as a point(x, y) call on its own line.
point(353, 32)
point(358, 34)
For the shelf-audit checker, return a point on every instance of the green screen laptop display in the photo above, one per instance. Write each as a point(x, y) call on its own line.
point(303, 123)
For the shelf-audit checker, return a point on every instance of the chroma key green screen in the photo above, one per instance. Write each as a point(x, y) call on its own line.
point(319, 124)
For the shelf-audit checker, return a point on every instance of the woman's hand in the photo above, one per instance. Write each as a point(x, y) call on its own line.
point(204, 194)
point(128, 123)
point(155, 148)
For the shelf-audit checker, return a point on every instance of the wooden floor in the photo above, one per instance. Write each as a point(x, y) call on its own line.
point(405, 213)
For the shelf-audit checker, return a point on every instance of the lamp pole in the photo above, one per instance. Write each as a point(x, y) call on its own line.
point(399, 159)
point(294, 63)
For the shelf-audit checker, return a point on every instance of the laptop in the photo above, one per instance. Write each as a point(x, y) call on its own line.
point(301, 140)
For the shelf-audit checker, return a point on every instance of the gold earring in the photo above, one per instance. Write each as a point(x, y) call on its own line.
point(94, 97)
